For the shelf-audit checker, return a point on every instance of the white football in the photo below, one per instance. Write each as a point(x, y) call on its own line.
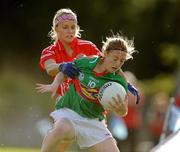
point(109, 90)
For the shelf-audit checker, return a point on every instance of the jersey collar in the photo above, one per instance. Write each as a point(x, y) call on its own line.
point(72, 45)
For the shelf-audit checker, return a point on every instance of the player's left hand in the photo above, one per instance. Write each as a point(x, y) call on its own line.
point(134, 91)
point(69, 69)
point(118, 106)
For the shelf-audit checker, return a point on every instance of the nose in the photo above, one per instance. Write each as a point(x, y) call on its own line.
point(70, 30)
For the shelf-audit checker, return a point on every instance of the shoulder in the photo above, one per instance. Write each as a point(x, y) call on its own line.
point(88, 58)
point(86, 61)
point(118, 78)
point(88, 47)
point(50, 48)
point(84, 42)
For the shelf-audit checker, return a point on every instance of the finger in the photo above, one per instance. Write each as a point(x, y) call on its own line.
point(38, 87)
point(119, 98)
point(116, 100)
point(41, 90)
point(112, 105)
point(39, 84)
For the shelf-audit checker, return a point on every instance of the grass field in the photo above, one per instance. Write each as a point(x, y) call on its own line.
point(18, 150)
point(22, 150)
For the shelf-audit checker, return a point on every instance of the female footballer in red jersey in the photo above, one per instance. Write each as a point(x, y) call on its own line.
point(67, 46)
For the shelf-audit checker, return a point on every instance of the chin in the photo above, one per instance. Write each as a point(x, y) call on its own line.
point(69, 41)
point(111, 71)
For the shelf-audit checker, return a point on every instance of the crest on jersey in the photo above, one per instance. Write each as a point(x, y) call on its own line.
point(81, 76)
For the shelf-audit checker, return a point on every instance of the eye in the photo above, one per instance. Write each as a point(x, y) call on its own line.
point(73, 27)
point(122, 61)
point(64, 26)
point(115, 59)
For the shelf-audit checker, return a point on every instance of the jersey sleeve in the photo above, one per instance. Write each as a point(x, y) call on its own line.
point(47, 53)
point(81, 63)
point(123, 82)
point(94, 50)
point(119, 79)
point(88, 48)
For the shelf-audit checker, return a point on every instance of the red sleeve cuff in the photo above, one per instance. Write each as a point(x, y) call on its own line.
point(44, 59)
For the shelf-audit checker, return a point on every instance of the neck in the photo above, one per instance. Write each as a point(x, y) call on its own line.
point(67, 47)
point(100, 67)
point(65, 44)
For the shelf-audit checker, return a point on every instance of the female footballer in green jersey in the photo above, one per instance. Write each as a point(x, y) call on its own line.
point(78, 115)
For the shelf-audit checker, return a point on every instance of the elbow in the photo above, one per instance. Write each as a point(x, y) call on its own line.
point(51, 72)
point(52, 69)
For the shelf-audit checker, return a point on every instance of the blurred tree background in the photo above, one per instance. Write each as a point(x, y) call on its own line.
point(154, 25)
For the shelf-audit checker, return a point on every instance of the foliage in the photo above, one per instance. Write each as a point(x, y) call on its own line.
point(161, 83)
point(150, 22)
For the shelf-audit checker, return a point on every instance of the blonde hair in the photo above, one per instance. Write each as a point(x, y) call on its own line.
point(61, 12)
point(118, 42)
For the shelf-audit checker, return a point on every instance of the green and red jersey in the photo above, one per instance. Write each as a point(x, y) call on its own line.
point(58, 53)
point(83, 92)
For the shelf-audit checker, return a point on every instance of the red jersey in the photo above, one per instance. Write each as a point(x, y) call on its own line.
point(58, 53)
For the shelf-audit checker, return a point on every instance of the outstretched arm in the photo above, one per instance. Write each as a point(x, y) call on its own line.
point(67, 68)
point(42, 88)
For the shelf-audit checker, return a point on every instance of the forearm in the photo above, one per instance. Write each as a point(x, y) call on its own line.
point(58, 80)
point(52, 68)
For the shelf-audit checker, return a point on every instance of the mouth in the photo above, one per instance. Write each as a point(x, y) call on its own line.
point(69, 36)
point(114, 68)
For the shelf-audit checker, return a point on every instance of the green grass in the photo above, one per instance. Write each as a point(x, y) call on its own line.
point(7, 149)
point(18, 150)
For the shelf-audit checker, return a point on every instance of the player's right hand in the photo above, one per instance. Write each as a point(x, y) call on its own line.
point(119, 106)
point(69, 69)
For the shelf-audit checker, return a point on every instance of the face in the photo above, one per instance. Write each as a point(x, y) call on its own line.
point(114, 60)
point(66, 31)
